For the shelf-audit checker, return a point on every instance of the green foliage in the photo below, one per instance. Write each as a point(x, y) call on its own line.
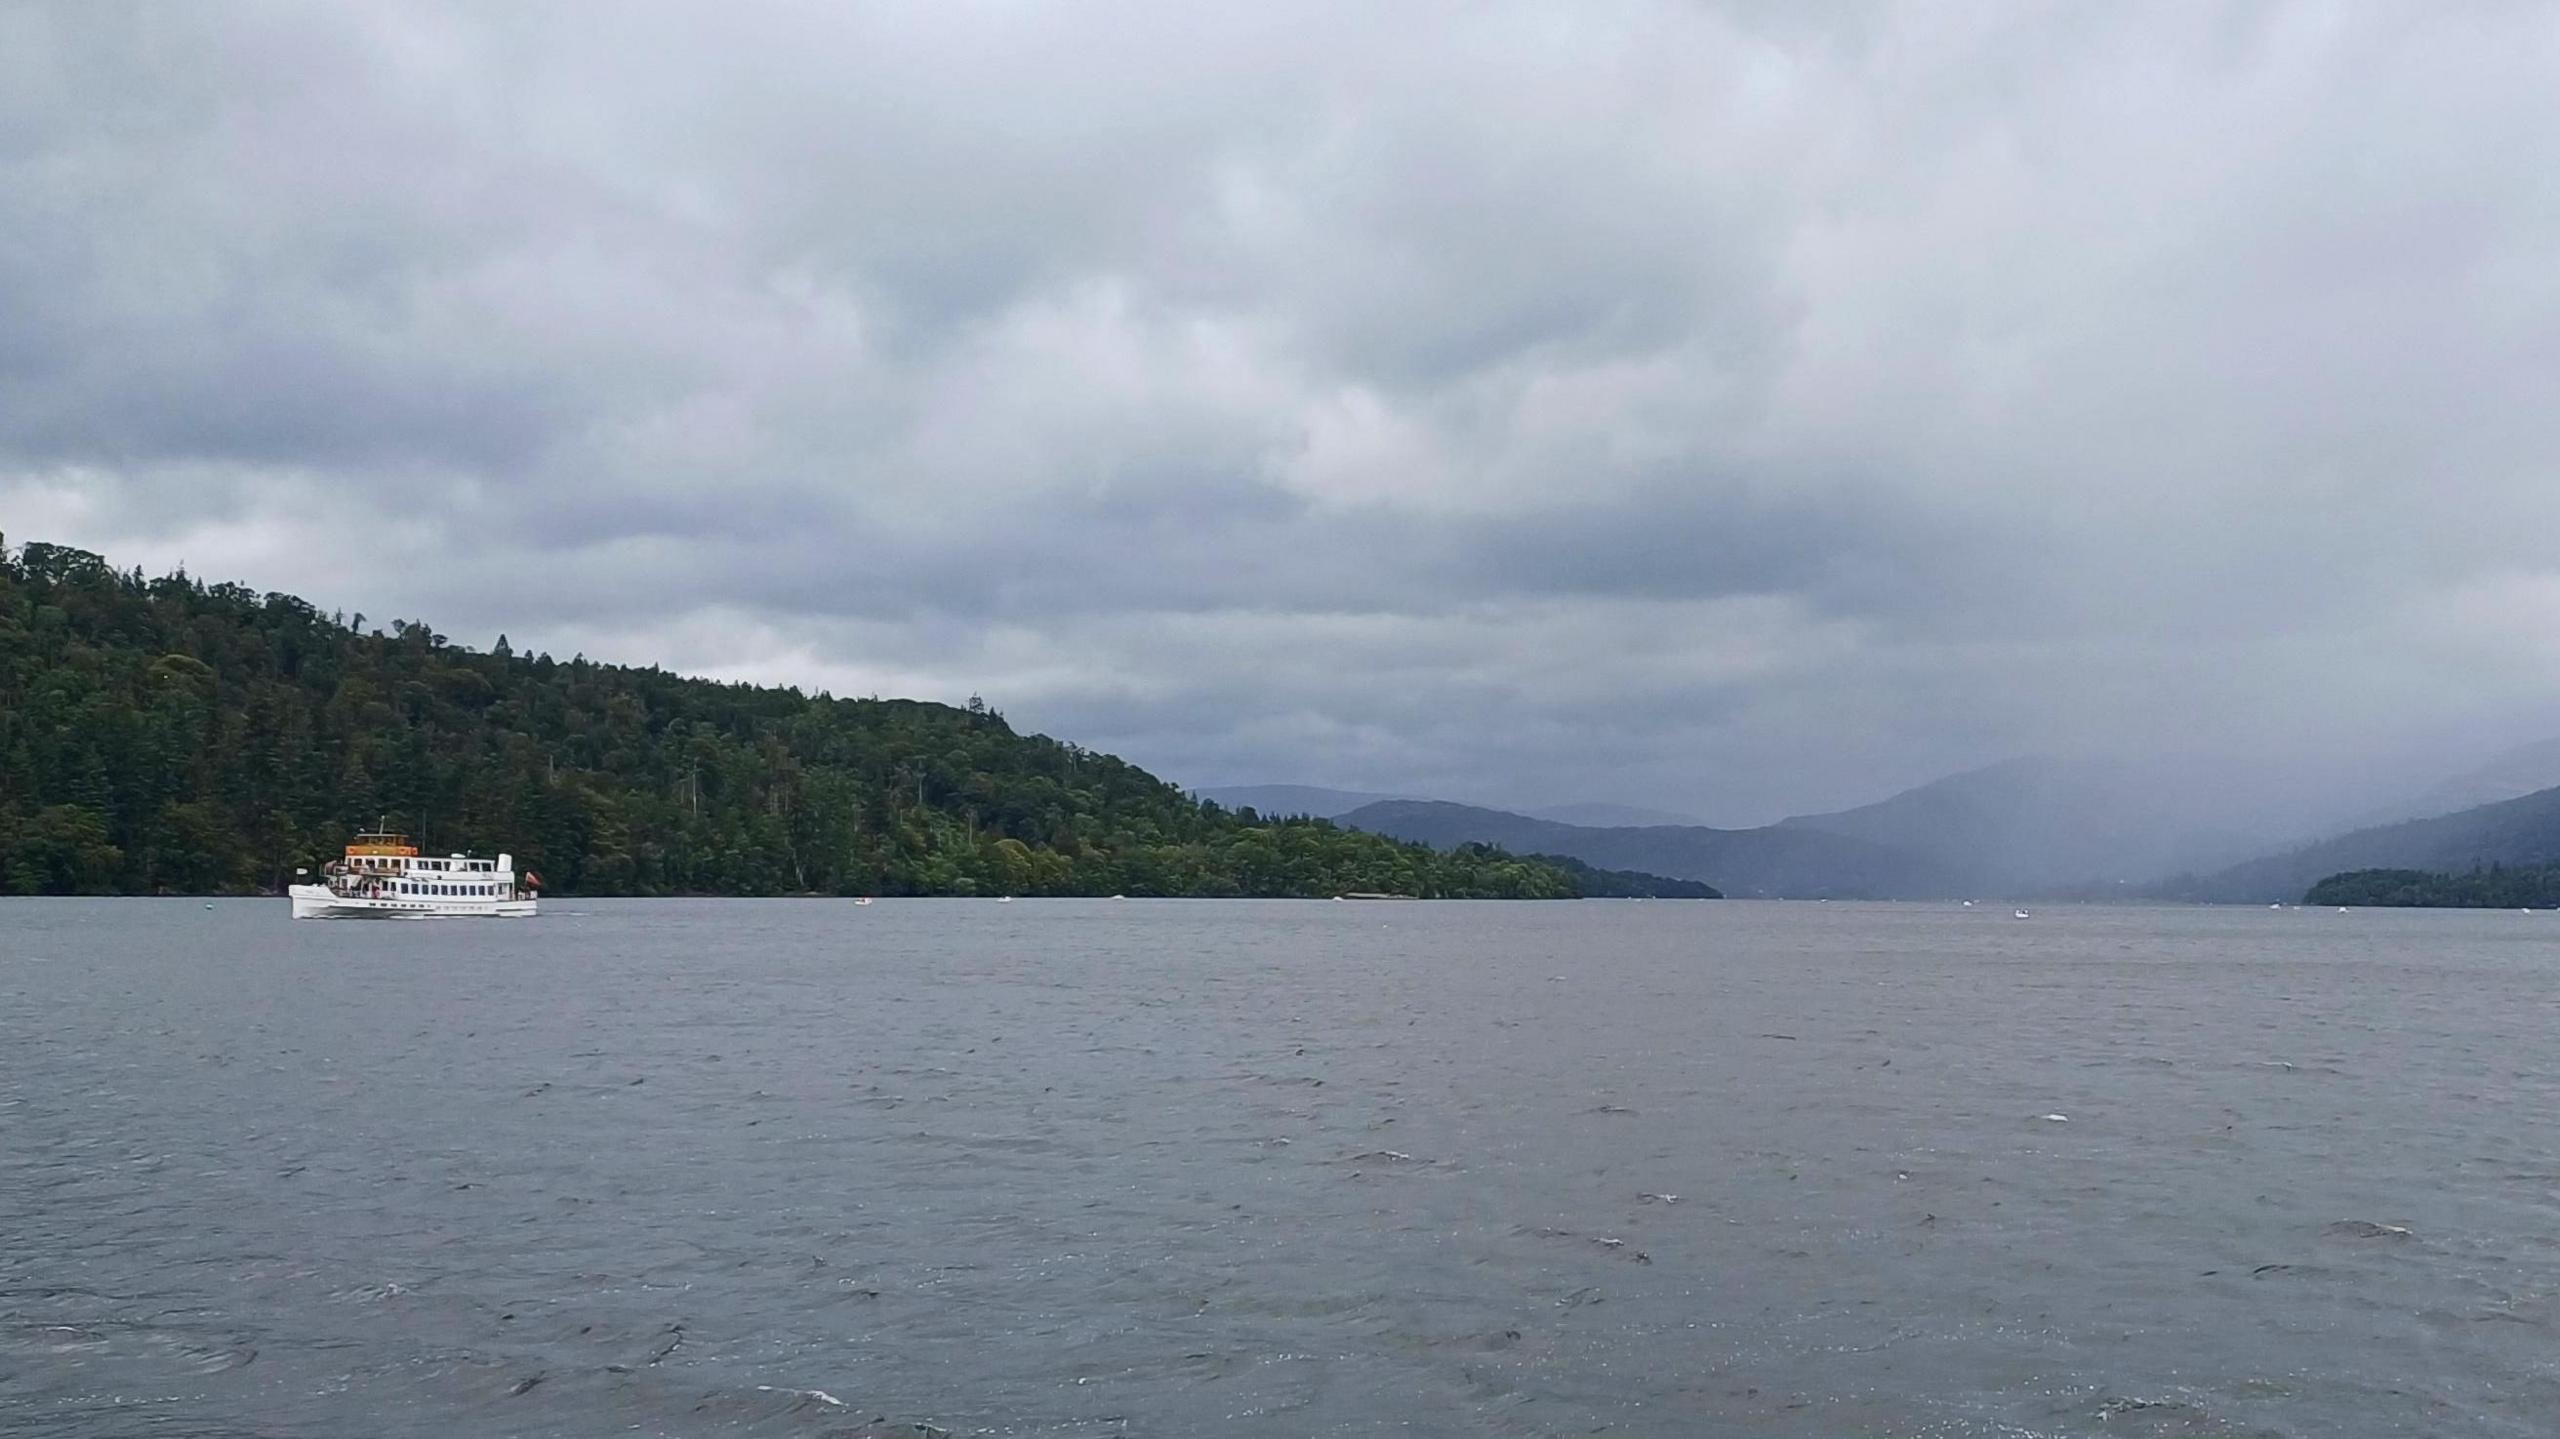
point(164, 735)
point(1626, 883)
point(2493, 887)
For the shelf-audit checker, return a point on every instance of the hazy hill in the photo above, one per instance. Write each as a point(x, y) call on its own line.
point(2513, 774)
point(1602, 815)
point(1774, 862)
point(1281, 800)
point(2515, 832)
point(2035, 825)
point(1273, 800)
point(169, 735)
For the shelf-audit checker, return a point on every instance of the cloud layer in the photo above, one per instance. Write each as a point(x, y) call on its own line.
point(1697, 405)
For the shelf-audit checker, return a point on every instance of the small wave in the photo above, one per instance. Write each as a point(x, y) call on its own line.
point(370, 1293)
point(821, 1395)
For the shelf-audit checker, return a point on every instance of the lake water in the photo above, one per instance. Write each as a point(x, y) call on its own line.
point(1195, 1168)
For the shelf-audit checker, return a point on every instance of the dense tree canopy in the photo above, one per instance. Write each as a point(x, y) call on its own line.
point(166, 735)
point(1625, 883)
point(2489, 887)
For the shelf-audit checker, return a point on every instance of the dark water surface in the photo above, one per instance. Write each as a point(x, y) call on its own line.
point(1192, 1168)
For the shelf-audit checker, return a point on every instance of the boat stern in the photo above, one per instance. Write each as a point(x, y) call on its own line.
point(311, 901)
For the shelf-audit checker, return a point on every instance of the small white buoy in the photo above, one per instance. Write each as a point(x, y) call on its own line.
point(208, 906)
point(2059, 1118)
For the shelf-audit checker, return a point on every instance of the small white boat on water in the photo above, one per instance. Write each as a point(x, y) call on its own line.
point(384, 877)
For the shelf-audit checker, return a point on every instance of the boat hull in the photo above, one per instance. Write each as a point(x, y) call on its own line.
point(315, 901)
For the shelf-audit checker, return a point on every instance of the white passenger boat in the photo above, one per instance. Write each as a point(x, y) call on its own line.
point(384, 877)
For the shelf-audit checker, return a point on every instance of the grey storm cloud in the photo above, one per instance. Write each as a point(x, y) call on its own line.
point(1737, 407)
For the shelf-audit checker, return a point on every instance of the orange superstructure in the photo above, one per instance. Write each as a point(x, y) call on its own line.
point(379, 851)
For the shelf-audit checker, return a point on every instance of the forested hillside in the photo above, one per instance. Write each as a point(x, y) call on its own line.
point(165, 735)
point(2515, 833)
point(2489, 887)
point(1627, 884)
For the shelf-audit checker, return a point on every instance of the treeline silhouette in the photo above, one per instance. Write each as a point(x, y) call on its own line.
point(2493, 886)
point(171, 736)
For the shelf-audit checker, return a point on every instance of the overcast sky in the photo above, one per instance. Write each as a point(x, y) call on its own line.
point(1705, 406)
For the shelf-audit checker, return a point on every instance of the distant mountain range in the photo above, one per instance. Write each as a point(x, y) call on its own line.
point(1774, 861)
point(1610, 815)
point(1323, 803)
point(2039, 826)
point(2026, 828)
point(2514, 832)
